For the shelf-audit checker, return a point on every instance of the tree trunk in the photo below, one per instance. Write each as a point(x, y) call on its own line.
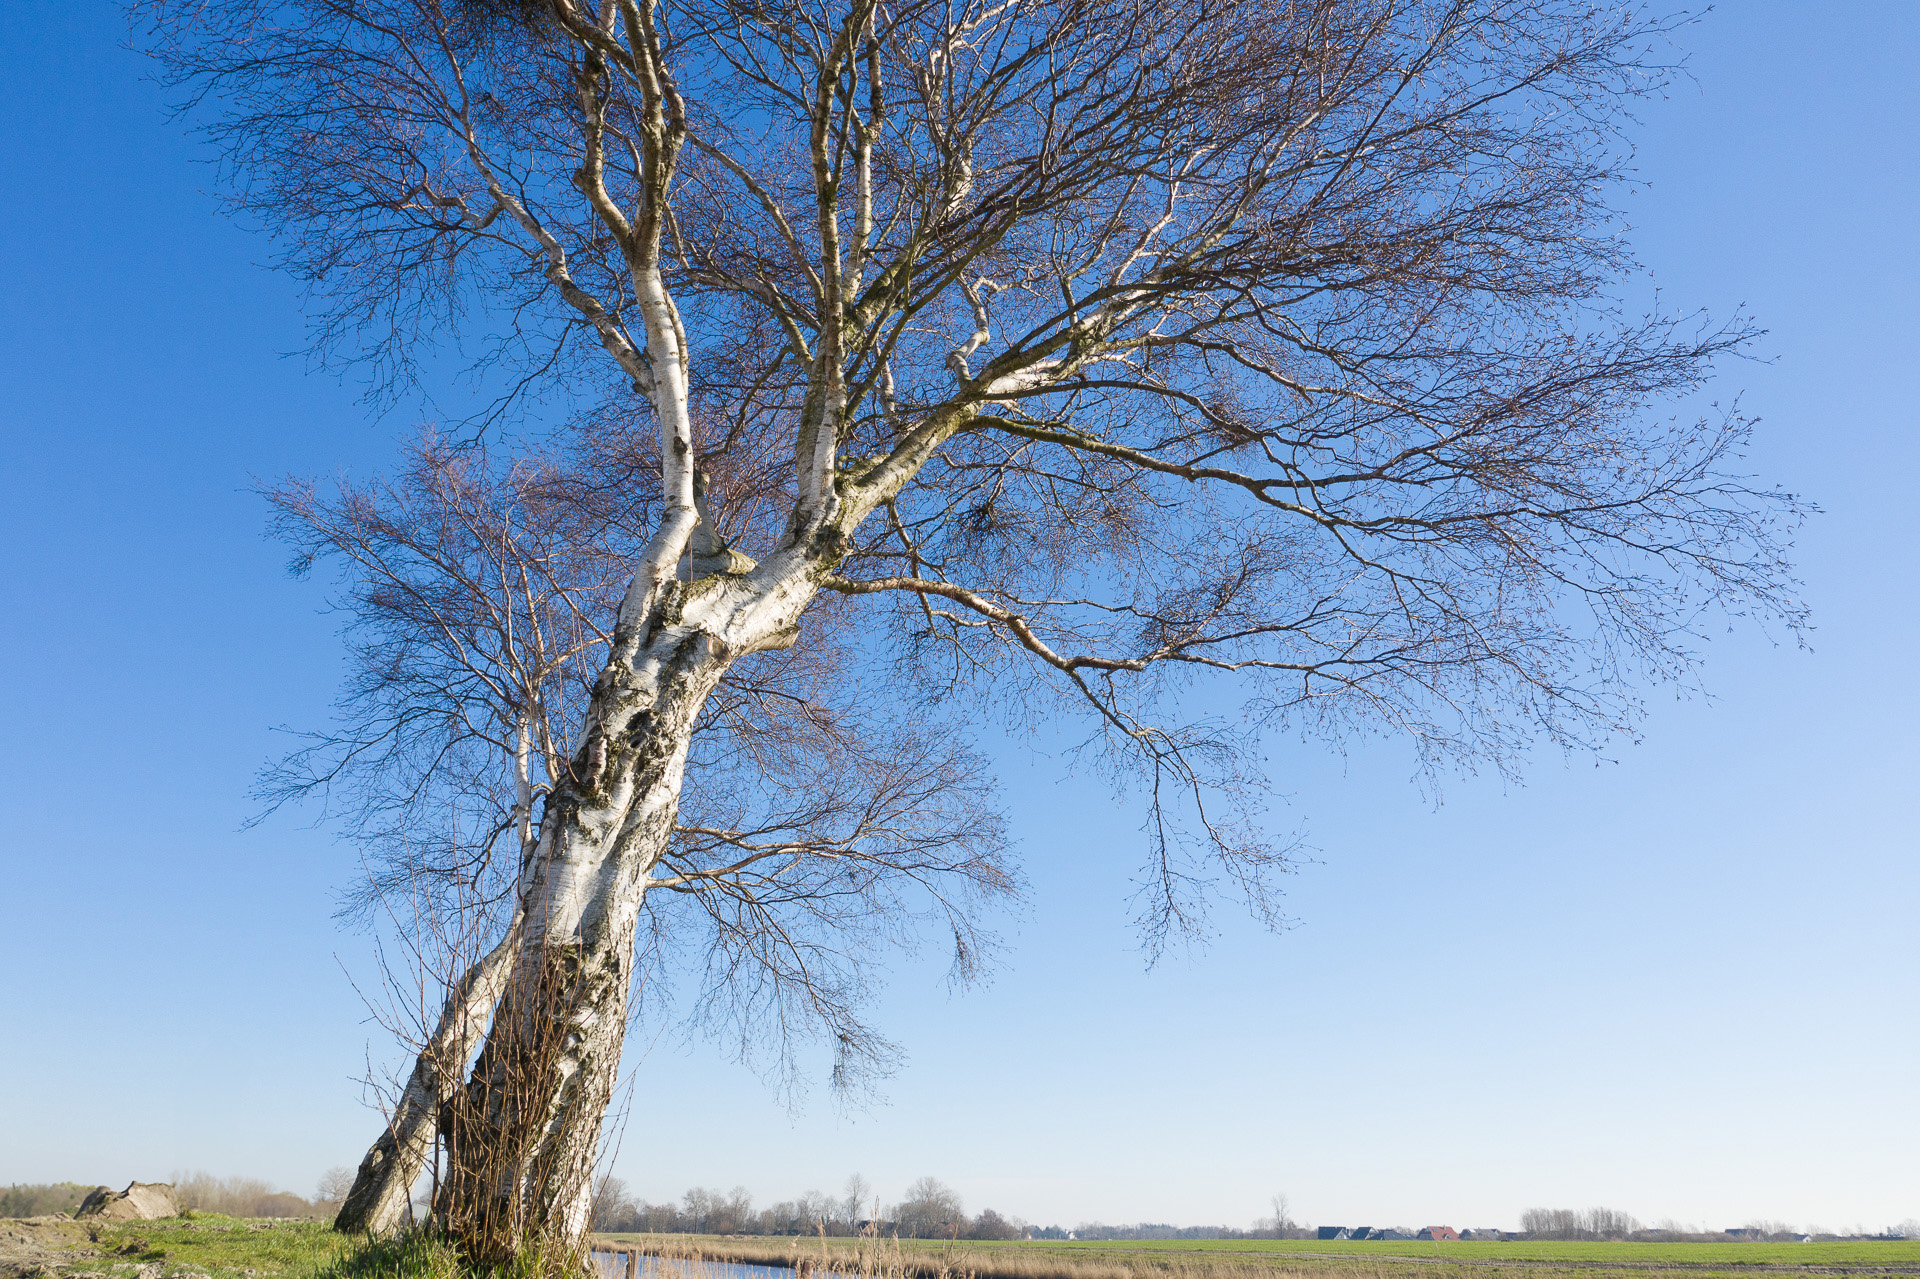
point(385, 1180)
point(523, 1136)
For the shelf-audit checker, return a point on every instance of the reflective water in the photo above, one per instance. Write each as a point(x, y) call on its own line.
point(613, 1265)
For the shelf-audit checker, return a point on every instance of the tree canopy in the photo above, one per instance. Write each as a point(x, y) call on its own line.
point(1048, 355)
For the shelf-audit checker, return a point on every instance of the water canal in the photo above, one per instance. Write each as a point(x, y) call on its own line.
point(613, 1265)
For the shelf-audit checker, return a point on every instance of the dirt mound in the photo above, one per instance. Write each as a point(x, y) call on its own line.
point(140, 1201)
point(31, 1245)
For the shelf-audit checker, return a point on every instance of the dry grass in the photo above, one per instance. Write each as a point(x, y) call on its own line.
point(936, 1259)
point(840, 1258)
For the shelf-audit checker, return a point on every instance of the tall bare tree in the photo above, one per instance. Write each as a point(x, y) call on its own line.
point(1101, 346)
point(479, 594)
point(931, 1209)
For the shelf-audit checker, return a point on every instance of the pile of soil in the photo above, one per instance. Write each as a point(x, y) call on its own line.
point(31, 1246)
point(140, 1201)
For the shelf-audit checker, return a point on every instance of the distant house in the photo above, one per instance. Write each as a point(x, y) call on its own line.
point(1438, 1232)
point(1360, 1232)
point(1482, 1234)
point(1390, 1234)
point(1333, 1232)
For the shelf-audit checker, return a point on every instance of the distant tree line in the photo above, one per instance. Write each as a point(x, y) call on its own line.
point(1161, 1230)
point(42, 1200)
point(930, 1209)
point(1569, 1223)
point(240, 1197)
point(197, 1191)
point(1610, 1223)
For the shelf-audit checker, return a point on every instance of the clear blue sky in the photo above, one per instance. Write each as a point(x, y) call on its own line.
point(1685, 983)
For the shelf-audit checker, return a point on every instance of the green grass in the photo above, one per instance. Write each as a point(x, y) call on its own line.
point(226, 1248)
point(223, 1247)
point(1368, 1259)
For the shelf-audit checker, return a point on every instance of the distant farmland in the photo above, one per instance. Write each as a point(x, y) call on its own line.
point(1871, 1253)
point(1290, 1258)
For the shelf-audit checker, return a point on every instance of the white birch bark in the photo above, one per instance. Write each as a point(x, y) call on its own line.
point(540, 1088)
point(522, 1154)
point(542, 1083)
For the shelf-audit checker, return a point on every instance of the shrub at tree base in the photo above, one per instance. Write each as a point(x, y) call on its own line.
point(422, 1254)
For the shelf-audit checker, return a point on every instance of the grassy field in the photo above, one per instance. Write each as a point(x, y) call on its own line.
point(1275, 1259)
point(202, 1244)
point(207, 1246)
point(1869, 1253)
point(211, 1246)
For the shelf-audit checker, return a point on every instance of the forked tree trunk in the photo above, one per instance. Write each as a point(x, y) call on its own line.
point(523, 1136)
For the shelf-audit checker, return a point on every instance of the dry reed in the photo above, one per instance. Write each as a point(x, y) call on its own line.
point(935, 1259)
point(842, 1258)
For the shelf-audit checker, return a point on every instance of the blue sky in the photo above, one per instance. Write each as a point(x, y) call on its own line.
point(1683, 983)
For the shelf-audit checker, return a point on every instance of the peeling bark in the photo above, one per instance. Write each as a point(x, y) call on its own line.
point(524, 1134)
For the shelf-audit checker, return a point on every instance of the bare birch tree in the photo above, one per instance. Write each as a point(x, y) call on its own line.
point(815, 832)
point(1104, 347)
